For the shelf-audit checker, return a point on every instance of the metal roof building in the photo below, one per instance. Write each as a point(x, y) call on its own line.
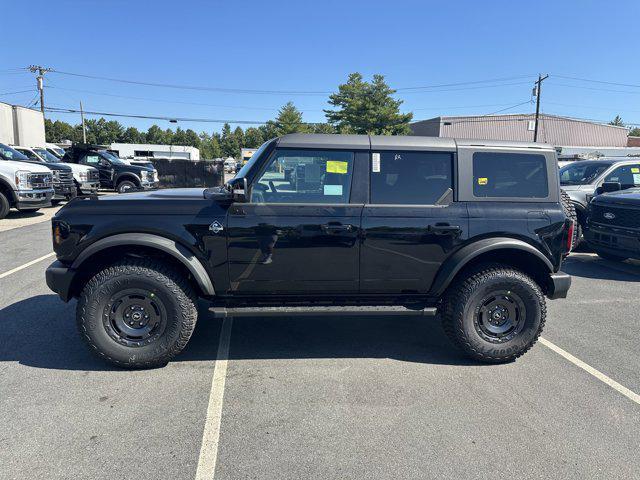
point(554, 130)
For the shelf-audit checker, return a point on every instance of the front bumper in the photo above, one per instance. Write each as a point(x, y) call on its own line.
point(59, 278)
point(89, 188)
point(33, 198)
point(149, 185)
point(559, 284)
point(616, 241)
point(64, 192)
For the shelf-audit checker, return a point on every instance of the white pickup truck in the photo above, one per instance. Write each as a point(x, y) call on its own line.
point(24, 186)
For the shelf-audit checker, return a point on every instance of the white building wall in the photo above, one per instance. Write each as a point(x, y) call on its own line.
point(28, 127)
point(7, 134)
point(128, 150)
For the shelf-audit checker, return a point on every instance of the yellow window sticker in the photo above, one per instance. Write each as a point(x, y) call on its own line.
point(635, 170)
point(483, 181)
point(335, 166)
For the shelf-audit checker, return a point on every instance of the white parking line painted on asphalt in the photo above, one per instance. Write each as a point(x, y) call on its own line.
point(28, 264)
point(589, 369)
point(211, 435)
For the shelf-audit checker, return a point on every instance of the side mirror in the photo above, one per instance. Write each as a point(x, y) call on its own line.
point(241, 191)
point(611, 187)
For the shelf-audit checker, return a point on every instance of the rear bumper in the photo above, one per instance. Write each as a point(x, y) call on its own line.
point(59, 278)
point(559, 284)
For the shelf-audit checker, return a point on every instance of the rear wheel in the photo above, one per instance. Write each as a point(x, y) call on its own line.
point(4, 205)
point(495, 314)
point(137, 314)
point(570, 212)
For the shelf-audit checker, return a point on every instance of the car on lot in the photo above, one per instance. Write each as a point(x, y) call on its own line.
point(581, 180)
point(63, 186)
point(55, 150)
point(473, 230)
point(613, 224)
point(86, 178)
point(26, 187)
point(115, 174)
point(230, 165)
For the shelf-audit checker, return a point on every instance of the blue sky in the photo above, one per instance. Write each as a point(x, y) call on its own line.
point(313, 46)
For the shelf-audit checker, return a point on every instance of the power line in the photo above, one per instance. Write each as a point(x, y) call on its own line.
point(465, 83)
point(15, 93)
point(509, 108)
point(593, 88)
point(567, 77)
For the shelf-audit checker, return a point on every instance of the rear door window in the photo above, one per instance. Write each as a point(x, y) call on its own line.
point(515, 175)
point(410, 178)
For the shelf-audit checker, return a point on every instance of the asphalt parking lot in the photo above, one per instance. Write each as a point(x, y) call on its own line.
point(336, 397)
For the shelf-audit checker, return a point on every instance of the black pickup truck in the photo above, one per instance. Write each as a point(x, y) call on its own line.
point(115, 173)
point(472, 230)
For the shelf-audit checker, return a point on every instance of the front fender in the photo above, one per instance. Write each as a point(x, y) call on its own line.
point(458, 260)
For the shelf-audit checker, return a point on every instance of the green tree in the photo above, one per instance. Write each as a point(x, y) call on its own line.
point(289, 120)
point(322, 128)
point(132, 135)
point(253, 137)
point(239, 136)
point(617, 121)
point(229, 143)
point(635, 132)
point(367, 108)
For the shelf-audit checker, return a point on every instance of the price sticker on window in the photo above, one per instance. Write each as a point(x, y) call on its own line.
point(334, 166)
point(375, 160)
point(483, 181)
point(635, 170)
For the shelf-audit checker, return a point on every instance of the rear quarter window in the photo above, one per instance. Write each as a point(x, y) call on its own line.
point(508, 174)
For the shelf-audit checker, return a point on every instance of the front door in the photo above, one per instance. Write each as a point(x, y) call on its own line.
point(298, 233)
point(105, 169)
point(411, 223)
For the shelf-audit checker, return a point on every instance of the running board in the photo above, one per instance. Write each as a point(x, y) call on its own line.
point(222, 312)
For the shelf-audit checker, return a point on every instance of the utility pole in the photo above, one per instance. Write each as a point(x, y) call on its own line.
point(538, 90)
point(40, 79)
point(84, 129)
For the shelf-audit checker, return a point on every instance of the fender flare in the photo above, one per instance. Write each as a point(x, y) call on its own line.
point(171, 247)
point(10, 188)
point(462, 257)
point(125, 175)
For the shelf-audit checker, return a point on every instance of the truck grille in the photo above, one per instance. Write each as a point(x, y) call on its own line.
point(93, 176)
point(625, 217)
point(66, 178)
point(40, 181)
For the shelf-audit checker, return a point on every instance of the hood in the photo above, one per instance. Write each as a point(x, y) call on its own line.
point(132, 168)
point(172, 201)
point(33, 167)
point(630, 197)
point(59, 167)
point(77, 168)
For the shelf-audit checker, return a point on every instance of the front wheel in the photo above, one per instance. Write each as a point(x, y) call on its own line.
point(138, 313)
point(126, 186)
point(494, 315)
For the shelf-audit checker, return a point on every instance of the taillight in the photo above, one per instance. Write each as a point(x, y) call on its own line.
point(570, 231)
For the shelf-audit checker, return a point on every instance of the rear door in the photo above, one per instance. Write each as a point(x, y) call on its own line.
point(412, 221)
point(298, 233)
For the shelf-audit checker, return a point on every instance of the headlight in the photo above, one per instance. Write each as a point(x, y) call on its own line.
point(155, 175)
point(83, 176)
point(22, 180)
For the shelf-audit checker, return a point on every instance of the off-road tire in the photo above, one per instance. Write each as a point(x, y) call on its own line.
point(167, 286)
point(570, 212)
point(4, 206)
point(126, 186)
point(610, 256)
point(464, 297)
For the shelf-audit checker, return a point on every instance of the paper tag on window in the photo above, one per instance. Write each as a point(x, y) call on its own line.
point(334, 166)
point(333, 189)
point(483, 181)
point(636, 178)
point(635, 170)
point(375, 167)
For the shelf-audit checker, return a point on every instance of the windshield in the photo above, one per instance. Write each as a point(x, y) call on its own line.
point(58, 152)
point(8, 153)
point(46, 155)
point(111, 158)
point(254, 158)
point(582, 173)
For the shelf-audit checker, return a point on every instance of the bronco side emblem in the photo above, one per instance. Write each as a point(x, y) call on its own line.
point(608, 215)
point(216, 227)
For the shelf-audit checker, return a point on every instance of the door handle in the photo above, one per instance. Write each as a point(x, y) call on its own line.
point(336, 227)
point(444, 229)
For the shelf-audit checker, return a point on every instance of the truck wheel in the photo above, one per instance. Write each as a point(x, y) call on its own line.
point(126, 186)
point(28, 210)
point(138, 313)
point(494, 315)
point(4, 206)
point(610, 256)
point(55, 203)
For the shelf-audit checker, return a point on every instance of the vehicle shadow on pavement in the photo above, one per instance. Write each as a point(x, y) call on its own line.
point(601, 269)
point(41, 332)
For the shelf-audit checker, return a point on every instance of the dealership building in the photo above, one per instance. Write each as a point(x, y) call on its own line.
point(552, 129)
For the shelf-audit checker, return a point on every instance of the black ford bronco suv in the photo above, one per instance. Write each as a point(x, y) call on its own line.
point(472, 230)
